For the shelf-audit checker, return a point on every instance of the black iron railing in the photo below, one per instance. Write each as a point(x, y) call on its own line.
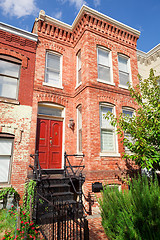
point(76, 172)
point(37, 171)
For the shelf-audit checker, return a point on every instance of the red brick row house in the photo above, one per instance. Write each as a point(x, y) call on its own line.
point(82, 72)
point(17, 68)
point(55, 93)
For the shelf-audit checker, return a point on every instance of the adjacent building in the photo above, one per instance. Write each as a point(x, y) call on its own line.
point(149, 60)
point(17, 68)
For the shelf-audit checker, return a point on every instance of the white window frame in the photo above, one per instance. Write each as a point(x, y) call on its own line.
point(129, 109)
point(128, 71)
point(110, 66)
point(60, 77)
point(10, 159)
point(11, 60)
point(105, 153)
point(79, 109)
point(78, 69)
point(127, 135)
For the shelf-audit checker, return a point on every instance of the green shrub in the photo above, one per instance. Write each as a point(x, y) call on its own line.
point(133, 214)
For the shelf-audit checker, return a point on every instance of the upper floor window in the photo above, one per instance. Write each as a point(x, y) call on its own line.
point(53, 72)
point(79, 68)
point(128, 112)
point(9, 78)
point(107, 131)
point(124, 71)
point(79, 129)
point(104, 65)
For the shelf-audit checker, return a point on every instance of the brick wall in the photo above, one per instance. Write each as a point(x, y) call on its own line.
point(86, 37)
point(15, 115)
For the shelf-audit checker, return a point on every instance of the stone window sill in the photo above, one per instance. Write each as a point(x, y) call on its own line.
point(107, 154)
point(8, 100)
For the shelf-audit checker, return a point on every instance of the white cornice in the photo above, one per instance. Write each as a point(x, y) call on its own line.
point(86, 9)
point(18, 31)
point(149, 53)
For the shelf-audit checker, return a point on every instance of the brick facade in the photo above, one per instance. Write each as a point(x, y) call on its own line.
point(15, 114)
point(87, 32)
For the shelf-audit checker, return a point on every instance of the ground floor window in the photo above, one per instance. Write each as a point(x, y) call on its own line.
point(5, 158)
point(107, 130)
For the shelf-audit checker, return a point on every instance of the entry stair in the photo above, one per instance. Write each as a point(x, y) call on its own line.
point(56, 188)
point(58, 202)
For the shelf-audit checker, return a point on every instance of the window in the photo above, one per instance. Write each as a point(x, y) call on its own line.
point(53, 70)
point(79, 129)
point(124, 75)
point(5, 159)
point(104, 65)
point(128, 112)
point(108, 137)
point(9, 79)
point(79, 68)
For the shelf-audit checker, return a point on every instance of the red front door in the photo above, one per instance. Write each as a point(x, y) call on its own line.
point(49, 143)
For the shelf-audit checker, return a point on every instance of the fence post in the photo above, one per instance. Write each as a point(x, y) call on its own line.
point(86, 230)
point(65, 156)
point(80, 191)
point(30, 208)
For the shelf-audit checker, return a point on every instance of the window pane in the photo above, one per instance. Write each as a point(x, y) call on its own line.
point(107, 140)
point(79, 60)
point(10, 69)
point(124, 78)
point(8, 87)
point(103, 57)
point(4, 168)
point(5, 146)
point(79, 76)
point(52, 78)
point(127, 113)
point(50, 111)
point(79, 137)
point(104, 73)
point(53, 61)
point(80, 140)
point(105, 123)
point(122, 63)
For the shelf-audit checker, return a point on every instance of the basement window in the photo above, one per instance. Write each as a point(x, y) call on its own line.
point(6, 145)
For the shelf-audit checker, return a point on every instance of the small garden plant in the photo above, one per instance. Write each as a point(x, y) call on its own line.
point(26, 230)
point(133, 214)
point(16, 223)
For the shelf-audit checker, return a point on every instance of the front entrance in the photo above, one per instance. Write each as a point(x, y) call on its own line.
point(49, 143)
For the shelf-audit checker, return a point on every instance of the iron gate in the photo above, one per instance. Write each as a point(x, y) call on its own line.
point(61, 221)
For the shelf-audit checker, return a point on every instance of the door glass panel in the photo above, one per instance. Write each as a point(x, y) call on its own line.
point(50, 111)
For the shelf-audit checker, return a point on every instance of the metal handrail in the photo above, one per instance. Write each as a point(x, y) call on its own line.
point(38, 174)
point(80, 192)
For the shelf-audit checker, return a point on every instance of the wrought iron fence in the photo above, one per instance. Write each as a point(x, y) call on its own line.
point(61, 220)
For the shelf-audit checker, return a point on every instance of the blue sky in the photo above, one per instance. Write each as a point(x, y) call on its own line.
point(142, 15)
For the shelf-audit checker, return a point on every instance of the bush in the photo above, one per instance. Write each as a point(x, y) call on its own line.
point(133, 214)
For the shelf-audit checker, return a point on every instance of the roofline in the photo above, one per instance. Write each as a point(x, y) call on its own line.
point(18, 31)
point(87, 9)
point(150, 52)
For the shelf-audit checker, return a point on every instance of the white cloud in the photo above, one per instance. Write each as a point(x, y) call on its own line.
point(18, 8)
point(78, 3)
point(96, 2)
point(58, 15)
